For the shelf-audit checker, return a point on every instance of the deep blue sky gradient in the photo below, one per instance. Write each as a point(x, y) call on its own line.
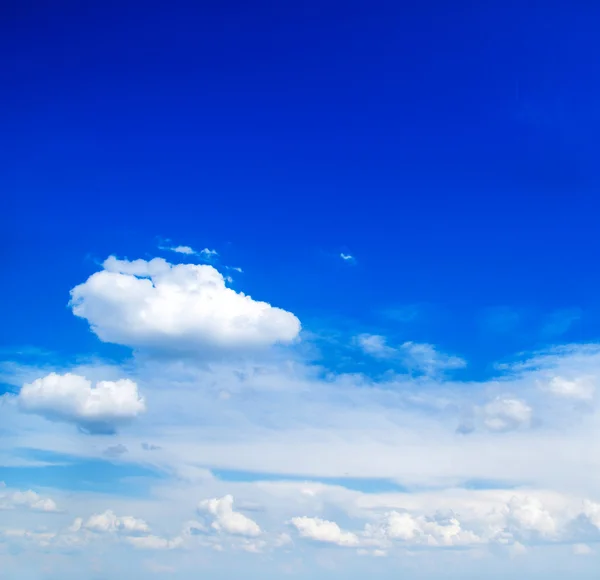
point(451, 147)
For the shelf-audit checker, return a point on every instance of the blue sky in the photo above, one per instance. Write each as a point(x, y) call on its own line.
point(332, 260)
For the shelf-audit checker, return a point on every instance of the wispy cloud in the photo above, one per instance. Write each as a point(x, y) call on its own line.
point(426, 358)
point(206, 254)
point(375, 345)
point(421, 357)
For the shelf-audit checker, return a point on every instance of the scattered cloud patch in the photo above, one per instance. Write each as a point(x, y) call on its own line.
point(72, 398)
point(439, 530)
point(501, 520)
point(183, 307)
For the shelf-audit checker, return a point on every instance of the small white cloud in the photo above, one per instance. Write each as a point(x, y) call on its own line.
point(75, 526)
point(425, 358)
point(208, 254)
point(324, 531)
point(152, 542)
point(226, 519)
point(109, 523)
point(375, 345)
point(347, 257)
point(582, 550)
point(183, 250)
point(42, 539)
point(375, 553)
point(581, 388)
point(29, 500)
point(73, 399)
point(506, 414)
point(253, 546)
point(183, 307)
point(517, 549)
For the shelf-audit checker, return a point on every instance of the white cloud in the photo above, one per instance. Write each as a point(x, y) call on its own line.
point(72, 398)
point(425, 358)
point(226, 519)
point(184, 307)
point(506, 414)
point(183, 250)
point(421, 357)
point(591, 510)
point(288, 418)
point(582, 550)
point(442, 519)
point(377, 553)
point(25, 500)
point(437, 530)
point(347, 257)
point(152, 542)
point(581, 388)
point(42, 539)
point(109, 523)
point(528, 514)
point(206, 253)
point(375, 345)
point(324, 531)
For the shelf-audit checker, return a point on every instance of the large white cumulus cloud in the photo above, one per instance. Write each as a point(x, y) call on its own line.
point(184, 307)
point(73, 399)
